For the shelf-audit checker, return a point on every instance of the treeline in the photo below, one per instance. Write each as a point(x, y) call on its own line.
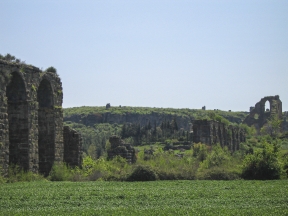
point(268, 160)
point(96, 137)
point(264, 156)
point(10, 58)
point(83, 111)
point(151, 133)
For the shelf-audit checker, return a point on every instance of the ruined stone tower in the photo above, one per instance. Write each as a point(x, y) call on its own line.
point(258, 116)
point(31, 119)
point(212, 132)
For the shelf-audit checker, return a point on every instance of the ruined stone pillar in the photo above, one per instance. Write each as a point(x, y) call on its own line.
point(4, 136)
point(72, 147)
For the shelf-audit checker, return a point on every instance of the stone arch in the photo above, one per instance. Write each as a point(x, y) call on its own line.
point(46, 126)
point(17, 110)
point(259, 109)
point(267, 106)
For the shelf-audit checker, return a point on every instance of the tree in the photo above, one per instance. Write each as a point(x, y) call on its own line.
point(263, 164)
point(123, 131)
point(272, 127)
point(92, 151)
point(10, 58)
point(51, 69)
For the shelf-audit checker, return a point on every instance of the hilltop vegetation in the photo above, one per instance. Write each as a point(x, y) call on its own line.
point(138, 125)
point(262, 156)
point(236, 117)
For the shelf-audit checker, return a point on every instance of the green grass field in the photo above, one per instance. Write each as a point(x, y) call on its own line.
point(145, 198)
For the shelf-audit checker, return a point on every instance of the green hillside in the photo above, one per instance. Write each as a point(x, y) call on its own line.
point(138, 125)
point(124, 110)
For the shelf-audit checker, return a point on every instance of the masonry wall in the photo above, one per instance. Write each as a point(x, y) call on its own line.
point(258, 116)
point(212, 132)
point(118, 147)
point(72, 147)
point(31, 118)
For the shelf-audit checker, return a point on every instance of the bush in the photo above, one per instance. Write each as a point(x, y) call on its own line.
point(263, 164)
point(218, 173)
point(200, 151)
point(142, 173)
point(115, 169)
point(173, 174)
point(285, 160)
point(60, 172)
point(16, 174)
point(51, 69)
point(216, 158)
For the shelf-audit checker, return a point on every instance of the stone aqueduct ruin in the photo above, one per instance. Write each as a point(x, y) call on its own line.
point(258, 116)
point(212, 132)
point(31, 120)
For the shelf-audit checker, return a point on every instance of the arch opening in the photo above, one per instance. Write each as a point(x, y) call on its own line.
point(267, 106)
point(18, 122)
point(46, 127)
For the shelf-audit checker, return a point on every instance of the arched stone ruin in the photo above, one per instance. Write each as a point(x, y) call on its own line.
point(258, 115)
point(31, 120)
point(212, 132)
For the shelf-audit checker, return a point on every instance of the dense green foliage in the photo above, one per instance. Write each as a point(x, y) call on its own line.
point(268, 161)
point(95, 136)
point(51, 69)
point(123, 110)
point(15, 174)
point(142, 173)
point(145, 198)
point(266, 158)
point(263, 163)
point(11, 58)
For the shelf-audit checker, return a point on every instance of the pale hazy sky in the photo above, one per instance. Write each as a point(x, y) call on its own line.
point(224, 54)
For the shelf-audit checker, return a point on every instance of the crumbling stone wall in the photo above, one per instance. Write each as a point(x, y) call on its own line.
point(118, 147)
point(258, 115)
point(285, 121)
point(31, 117)
point(72, 146)
point(212, 132)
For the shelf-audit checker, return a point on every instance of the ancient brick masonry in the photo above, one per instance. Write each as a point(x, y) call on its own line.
point(118, 147)
point(31, 118)
point(72, 147)
point(258, 115)
point(212, 132)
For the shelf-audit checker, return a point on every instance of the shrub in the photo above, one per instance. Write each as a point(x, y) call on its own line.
point(2, 179)
point(60, 172)
point(263, 164)
point(95, 175)
point(176, 174)
point(217, 157)
point(115, 169)
point(51, 69)
point(142, 173)
point(16, 174)
point(218, 173)
point(200, 151)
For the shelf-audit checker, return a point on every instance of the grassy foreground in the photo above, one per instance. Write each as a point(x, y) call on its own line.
point(145, 198)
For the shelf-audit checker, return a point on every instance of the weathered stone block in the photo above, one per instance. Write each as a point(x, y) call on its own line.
point(119, 148)
point(212, 132)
